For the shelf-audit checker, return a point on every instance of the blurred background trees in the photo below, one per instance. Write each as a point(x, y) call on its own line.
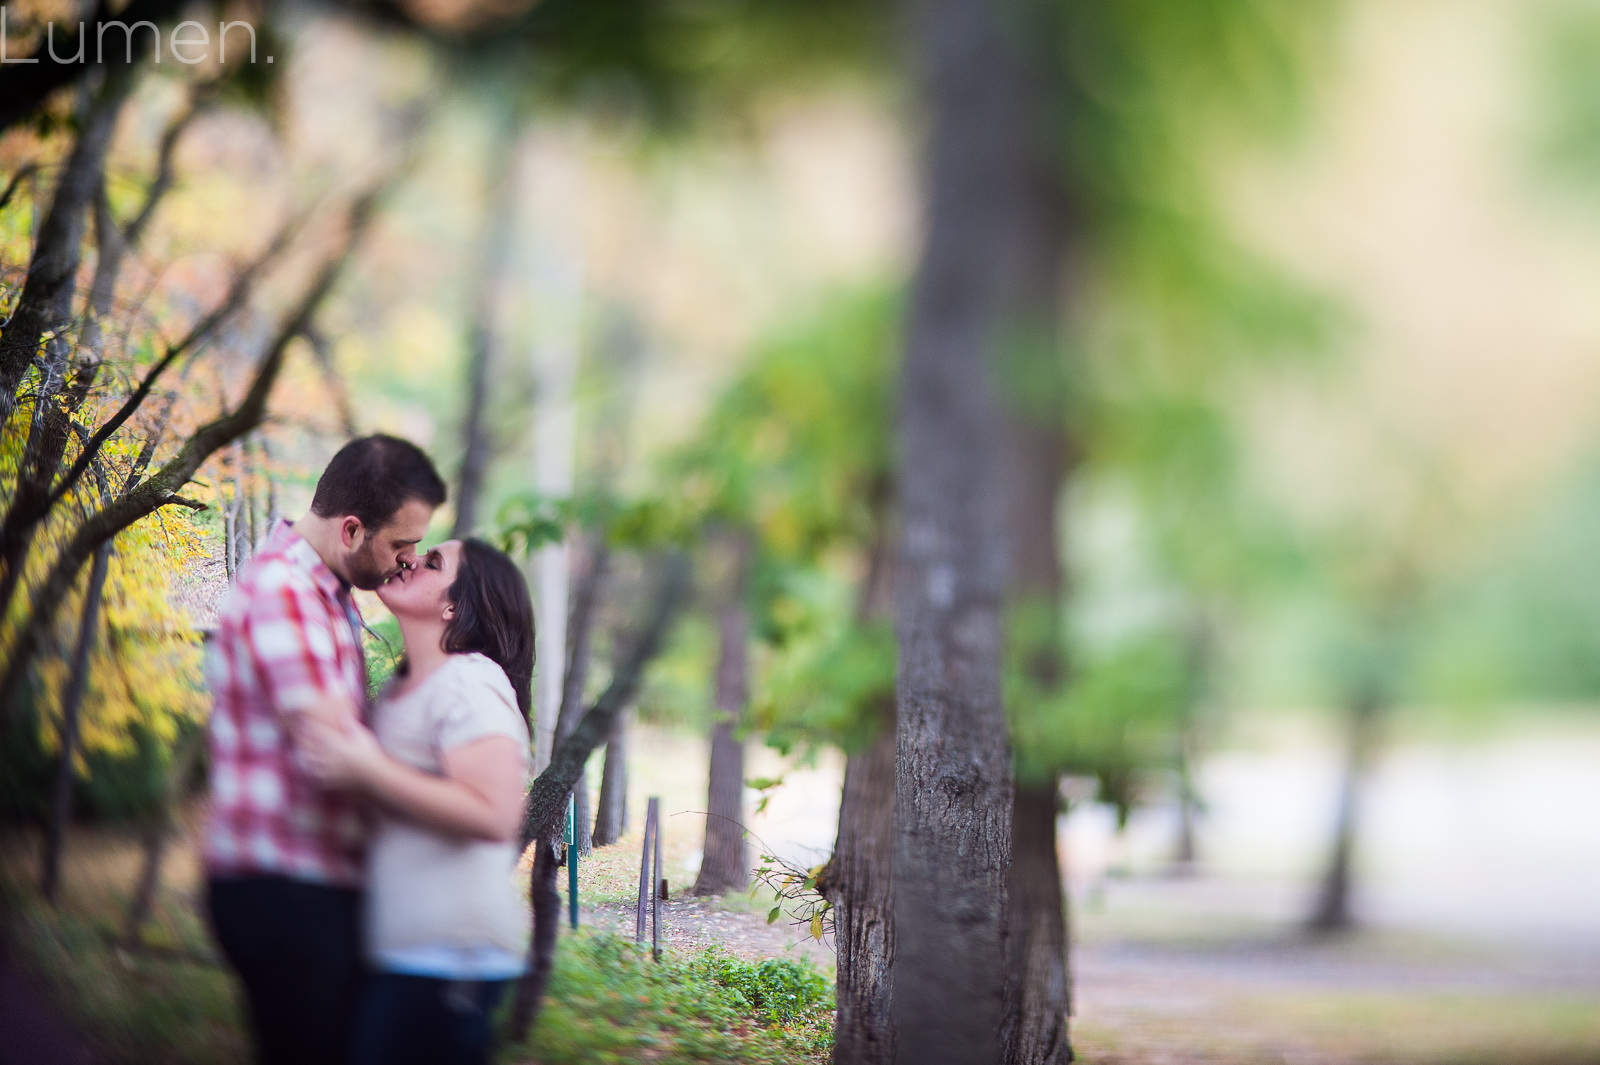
point(1169, 374)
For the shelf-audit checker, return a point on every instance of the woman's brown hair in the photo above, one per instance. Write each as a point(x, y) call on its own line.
point(493, 616)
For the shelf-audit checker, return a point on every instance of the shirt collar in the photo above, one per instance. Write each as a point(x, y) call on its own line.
point(297, 549)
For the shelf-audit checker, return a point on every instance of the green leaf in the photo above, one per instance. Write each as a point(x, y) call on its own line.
point(772, 915)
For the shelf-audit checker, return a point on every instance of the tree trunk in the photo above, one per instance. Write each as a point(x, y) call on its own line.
point(252, 507)
point(45, 304)
point(158, 831)
point(725, 863)
point(1200, 650)
point(1040, 993)
point(1034, 1031)
point(1333, 912)
point(71, 704)
point(546, 905)
point(44, 308)
point(857, 882)
point(580, 634)
point(953, 786)
point(547, 796)
point(611, 809)
point(857, 878)
point(494, 252)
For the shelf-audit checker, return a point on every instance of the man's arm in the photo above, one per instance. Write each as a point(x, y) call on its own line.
point(479, 796)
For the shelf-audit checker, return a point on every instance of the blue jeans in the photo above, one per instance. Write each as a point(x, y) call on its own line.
point(425, 1020)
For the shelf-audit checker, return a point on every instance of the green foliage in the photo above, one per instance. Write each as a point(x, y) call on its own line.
point(798, 450)
point(781, 989)
point(608, 1002)
point(1525, 621)
point(675, 690)
point(111, 783)
point(383, 645)
point(825, 676)
point(797, 888)
point(1117, 719)
point(528, 521)
point(1566, 60)
point(1178, 321)
point(799, 445)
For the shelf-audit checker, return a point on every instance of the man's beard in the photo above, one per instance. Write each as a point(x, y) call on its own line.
point(365, 573)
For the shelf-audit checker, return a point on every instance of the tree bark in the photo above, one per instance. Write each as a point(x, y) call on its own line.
point(547, 797)
point(42, 317)
point(1034, 1031)
point(580, 633)
point(494, 244)
point(158, 831)
point(859, 886)
point(857, 878)
point(1333, 912)
point(71, 705)
point(953, 762)
point(611, 809)
point(545, 902)
point(725, 862)
point(45, 305)
point(1039, 990)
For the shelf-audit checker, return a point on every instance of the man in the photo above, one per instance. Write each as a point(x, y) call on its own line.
point(283, 857)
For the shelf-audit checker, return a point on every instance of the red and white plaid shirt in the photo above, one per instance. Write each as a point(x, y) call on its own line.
point(287, 634)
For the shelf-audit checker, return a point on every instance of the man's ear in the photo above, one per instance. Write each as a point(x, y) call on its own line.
point(351, 531)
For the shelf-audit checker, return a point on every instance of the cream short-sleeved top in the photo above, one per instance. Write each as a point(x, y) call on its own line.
point(435, 902)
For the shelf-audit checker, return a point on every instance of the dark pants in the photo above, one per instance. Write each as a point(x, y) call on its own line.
point(296, 947)
point(423, 1020)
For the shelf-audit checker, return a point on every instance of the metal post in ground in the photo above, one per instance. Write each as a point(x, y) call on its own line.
point(656, 882)
point(646, 875)
point(572, 858)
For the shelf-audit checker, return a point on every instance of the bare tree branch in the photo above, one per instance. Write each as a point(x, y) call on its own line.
point(323, 352)
point(547, 798)
point(46, 301)
point(26, 171)
point(201, 96)
point(161, 488)
point(199, 333)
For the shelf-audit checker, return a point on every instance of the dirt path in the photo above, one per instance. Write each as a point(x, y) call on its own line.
point(1163, 978)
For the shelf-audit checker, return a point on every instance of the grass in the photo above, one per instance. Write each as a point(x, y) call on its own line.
point(169, 1004)
point(610, 1003)
point(174, 1003)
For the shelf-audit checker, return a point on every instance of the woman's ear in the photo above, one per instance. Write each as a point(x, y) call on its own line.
point(449, 611)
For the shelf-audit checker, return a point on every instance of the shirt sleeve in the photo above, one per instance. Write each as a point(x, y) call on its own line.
point(291, 638)
point(478, 702)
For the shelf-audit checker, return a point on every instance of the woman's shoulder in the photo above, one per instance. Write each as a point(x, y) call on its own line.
point(473, 669)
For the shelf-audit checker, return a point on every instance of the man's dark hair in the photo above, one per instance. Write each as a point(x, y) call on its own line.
point(373, 477)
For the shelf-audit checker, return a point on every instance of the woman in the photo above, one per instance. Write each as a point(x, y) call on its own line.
point(447, 765)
